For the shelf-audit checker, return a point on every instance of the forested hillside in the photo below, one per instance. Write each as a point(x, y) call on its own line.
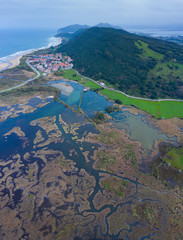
point(138, 65)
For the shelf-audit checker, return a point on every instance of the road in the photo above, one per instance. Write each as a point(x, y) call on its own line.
point(22, 84)
point(139, 98)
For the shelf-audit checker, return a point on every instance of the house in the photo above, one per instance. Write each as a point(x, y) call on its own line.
point(102, 84)
point(51, 62)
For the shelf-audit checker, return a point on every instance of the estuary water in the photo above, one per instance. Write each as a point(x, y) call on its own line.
point(137, 126)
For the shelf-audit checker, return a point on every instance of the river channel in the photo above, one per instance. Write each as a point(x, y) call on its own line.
point(137, 126)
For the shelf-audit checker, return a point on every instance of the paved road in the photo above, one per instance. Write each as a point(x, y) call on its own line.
point(147, 99)
point(22, 84)
point(38, 74)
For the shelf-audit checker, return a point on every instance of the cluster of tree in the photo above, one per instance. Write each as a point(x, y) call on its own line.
point(169, 49)
point(99, 117)
point(111, 109)
point(111, 54)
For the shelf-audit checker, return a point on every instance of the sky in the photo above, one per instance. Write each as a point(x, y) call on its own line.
point(59, 13)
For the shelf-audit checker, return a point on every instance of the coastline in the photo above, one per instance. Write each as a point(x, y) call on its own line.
point(13, 60)
point(4, 65)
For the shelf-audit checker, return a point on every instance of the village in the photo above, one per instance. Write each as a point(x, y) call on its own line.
point(51, 62)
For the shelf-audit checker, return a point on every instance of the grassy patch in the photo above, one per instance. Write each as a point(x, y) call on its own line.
point(66, 232)
point(155, 172)
point(88, 83)
point(130, 155)
point(71, 74)
point(61, 160)
point(168, 69)
point(147, 52)
point(149, 214)
point(165, 109)
point(108, 137)
point(175, 158)
point(105, 159)
point(115, 185)
point(31, 196)
point(134, 211)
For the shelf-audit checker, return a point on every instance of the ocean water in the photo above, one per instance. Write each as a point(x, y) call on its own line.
point(157, 32)
point(19, 41)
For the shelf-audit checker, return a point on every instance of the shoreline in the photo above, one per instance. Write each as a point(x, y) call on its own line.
point(15, 61)
point(4, 66)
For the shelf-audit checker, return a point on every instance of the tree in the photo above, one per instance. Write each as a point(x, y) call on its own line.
point(99, 117)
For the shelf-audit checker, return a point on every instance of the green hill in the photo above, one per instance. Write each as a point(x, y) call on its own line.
point(137, 65)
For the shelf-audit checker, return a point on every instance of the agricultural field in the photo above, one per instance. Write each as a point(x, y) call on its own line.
point(158, 109)
point(86, 82)
point(72, 75)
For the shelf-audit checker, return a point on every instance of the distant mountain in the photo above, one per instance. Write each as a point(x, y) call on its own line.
point(107, 25)
point(72, 28)
point(71, 31)
point(68, 36)
point(138, 65)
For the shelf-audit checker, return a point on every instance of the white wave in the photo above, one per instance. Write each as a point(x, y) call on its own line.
point(14, 55)
point(53, 41)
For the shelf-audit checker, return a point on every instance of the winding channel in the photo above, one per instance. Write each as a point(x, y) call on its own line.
point(54, 109)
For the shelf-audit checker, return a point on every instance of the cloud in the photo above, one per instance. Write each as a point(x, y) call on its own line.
point(46, 13)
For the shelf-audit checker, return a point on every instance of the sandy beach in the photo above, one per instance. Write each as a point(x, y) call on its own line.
point(66, 88)
point(3, 66)
point(10, 63)
point(16, 60)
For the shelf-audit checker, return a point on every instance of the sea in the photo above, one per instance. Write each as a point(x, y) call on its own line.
point(156, 32)
point(15, 42)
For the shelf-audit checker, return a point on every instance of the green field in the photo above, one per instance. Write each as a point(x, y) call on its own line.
point(175, 158)
point(86, 82)
point(72, 75)
point(165, 109)
point(168, 69)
